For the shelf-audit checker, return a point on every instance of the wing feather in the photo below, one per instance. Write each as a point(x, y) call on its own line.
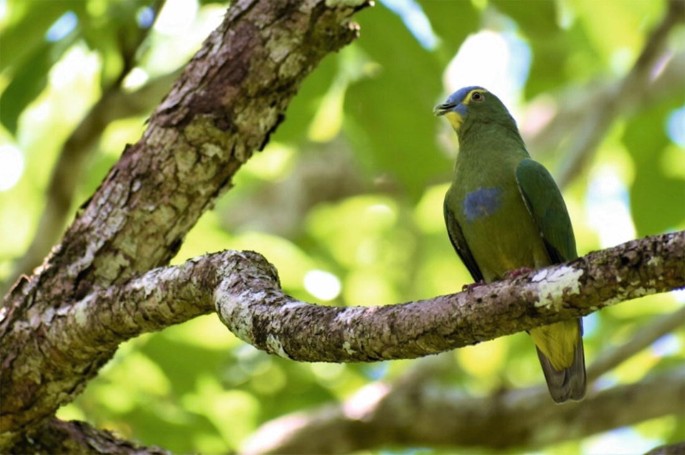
point(459, 243)
point(546, 205)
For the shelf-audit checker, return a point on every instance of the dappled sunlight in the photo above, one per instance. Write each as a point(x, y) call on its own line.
point(323, 285)
point(497, 61)
point(609, 209)
point(346, 198)
point(11, 166)
point(361, 403)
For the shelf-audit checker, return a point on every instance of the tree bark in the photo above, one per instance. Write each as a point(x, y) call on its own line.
point(100, 287)
point(230, 98)
point(254, 309)
point(55, 436)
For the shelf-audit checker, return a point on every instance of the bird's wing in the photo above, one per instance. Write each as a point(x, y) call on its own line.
point(544, 202)
point(460, 245)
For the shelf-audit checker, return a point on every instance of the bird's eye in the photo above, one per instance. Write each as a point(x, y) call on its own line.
point(477, 96)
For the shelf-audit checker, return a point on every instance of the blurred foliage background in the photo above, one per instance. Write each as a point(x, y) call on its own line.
point(346, 200)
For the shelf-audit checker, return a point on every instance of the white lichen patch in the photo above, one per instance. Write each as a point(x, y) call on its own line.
point(349, 315)
point(291, 65)
point(553, 284)
point(348, 3)
point(275, 346)
point(151, 281)
point(47, 315)
point(655, 261)
point(347, 347)
point(234, 311)
point(211, 150)
point(279, 49)
point(642, 291)
point(80, 310)
point(81, 313)
point(294, 305)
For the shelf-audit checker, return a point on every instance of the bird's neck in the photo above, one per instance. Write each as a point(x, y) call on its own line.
point(489, 147)
point(492, 141)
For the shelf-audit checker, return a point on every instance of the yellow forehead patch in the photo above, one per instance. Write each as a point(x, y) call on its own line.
point(454, 118)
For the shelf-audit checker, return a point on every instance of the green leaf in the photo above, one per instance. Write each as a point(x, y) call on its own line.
point(31, 56)
point(305, 104)
point(29, 80)
point(656, 198)
point(537, 19)
point(452, 22)
point(25, 34)
point(389, 115)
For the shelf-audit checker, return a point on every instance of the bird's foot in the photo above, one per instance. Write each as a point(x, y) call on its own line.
point(511, 274)
point(472, 286)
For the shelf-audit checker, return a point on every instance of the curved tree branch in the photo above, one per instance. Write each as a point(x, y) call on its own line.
point(244, 289)
point(231, 96)
point(253, 307)
point(58, 327)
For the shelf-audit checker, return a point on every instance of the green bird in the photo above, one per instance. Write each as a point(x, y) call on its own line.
point(504, 212)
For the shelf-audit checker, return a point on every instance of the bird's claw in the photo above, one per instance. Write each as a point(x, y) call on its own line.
point(471, 286)
point(511, 274)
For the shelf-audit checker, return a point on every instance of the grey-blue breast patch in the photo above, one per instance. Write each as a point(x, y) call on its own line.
point(482, 202)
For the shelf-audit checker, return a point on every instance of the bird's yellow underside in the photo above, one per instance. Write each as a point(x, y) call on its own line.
point(558, 342)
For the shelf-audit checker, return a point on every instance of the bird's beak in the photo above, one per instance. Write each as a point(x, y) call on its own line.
point(444, 108)
point(453, 112)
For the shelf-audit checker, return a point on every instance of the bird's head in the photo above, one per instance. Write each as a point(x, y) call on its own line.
point(472, 105)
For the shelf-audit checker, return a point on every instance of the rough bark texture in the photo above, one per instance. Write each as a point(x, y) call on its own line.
point(253, 307)
point(97, 289)
point(114, 104)
point(243, 288)
point(231, 96)
point(74, 437)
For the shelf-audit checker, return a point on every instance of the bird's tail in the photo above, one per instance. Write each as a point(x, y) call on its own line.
point(566, 382)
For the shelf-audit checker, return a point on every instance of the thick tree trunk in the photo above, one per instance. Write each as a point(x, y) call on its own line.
point(231, 96)
point(100, 287)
